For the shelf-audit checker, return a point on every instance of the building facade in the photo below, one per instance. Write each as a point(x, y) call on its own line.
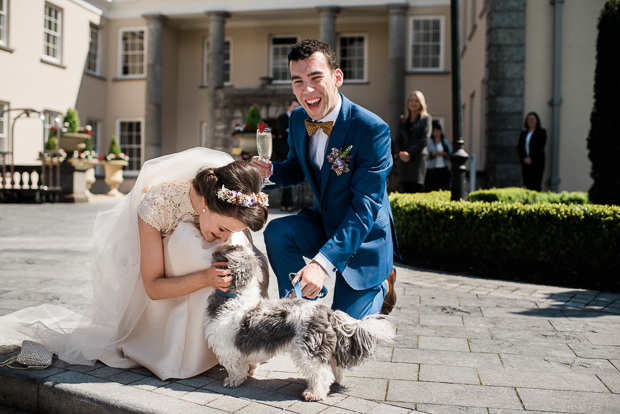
point(166, 76)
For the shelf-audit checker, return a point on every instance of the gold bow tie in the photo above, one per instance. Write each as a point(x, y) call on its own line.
point(313, 126)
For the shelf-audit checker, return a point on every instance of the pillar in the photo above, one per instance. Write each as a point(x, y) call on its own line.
point(153, 114)
point(327, 24)
point(215, 76)
point(397, 38)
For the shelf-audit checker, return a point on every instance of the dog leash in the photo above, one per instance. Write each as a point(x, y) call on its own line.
point(297, 290)
point(225, 294)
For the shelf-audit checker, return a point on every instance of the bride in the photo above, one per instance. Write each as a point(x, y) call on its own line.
point(152, 268)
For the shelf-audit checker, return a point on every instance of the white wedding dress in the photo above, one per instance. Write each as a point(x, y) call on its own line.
point(123, 327)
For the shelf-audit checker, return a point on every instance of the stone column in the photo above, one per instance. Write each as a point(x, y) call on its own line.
point(396, 65)
point(327, 24)
point(505, 66)
point(215, 76)
point(153, 115)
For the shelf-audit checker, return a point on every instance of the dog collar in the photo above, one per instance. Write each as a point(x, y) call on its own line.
point(226, 294)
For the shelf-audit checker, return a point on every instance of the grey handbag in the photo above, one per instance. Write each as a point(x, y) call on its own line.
point(33, 355)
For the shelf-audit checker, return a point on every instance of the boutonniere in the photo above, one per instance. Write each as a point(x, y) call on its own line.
point(340, 160)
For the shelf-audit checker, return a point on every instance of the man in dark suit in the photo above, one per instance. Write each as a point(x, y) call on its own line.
point(349, 232)
point(281, 149)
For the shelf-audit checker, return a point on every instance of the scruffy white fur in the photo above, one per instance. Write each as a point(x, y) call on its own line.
point(247, 330)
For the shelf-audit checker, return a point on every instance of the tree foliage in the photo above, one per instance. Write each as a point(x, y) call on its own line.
point(604, 136)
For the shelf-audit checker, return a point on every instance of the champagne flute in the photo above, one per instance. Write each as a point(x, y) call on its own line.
point(264, 144)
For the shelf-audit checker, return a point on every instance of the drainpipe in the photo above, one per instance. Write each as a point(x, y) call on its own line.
point(556, 101)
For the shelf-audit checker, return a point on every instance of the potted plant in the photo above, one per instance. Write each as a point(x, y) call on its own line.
point(86, 160)
point(113, 164)
point(246, 133)
point(73, 136)
point(51, 151)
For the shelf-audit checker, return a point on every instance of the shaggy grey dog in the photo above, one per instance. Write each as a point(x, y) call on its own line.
point(246, 330)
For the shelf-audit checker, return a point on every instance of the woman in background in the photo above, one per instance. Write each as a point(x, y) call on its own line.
point(531, 150)
point(438, 168)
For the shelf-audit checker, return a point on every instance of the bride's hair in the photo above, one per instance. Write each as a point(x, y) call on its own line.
point(239, 176)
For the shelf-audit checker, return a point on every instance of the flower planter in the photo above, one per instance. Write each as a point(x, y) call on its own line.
point(114, 176)
point(87, 165)
point(73, 142)
point(247, 142)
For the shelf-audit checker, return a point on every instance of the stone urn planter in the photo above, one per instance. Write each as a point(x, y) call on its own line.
point(73, 142)
point(114, 176)
point(247, 142)
point(88, 166)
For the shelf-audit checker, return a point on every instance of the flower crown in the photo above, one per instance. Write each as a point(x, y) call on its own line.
point(240, 199)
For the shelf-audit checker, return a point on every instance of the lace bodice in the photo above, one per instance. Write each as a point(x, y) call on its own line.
point(165, 205)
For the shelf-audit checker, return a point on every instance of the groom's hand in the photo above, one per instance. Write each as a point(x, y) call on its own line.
point(312, 277)
point(263, 167)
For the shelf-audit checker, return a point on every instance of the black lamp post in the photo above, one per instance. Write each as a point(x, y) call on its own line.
point(459, 157)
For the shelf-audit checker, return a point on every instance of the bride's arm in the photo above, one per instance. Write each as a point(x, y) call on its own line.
point(152, 269)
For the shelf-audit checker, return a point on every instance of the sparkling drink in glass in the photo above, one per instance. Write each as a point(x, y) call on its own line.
point(264, 144)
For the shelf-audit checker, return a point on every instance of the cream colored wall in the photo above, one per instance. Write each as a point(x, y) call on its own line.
point(435, 87)
point(170, 74)
point(472, 77)
point(578, 63)
point(125, 98)
point(26, 82)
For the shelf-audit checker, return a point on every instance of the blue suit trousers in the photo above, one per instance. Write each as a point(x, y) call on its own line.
point(289, 239)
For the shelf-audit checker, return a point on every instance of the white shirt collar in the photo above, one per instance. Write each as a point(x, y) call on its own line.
point(333, 115)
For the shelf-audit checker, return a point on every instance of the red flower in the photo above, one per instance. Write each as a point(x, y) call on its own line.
point(100, 157)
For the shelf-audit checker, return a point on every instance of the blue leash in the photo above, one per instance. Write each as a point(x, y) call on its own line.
point(297, 290)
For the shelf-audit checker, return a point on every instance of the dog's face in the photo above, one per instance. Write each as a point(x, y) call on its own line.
point(243, 264)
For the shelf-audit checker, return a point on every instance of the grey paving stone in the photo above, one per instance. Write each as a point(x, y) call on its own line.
point(174, 390)
point(383, 353)
point(536, 336)
point(196, 382)
point(569, 401)
point(443, 331)
point(506, 323)
point(460, 359)
point(585, 326)
point(452, 374)
point(557, 364)
point(502, 411)
point(266, 384)
point(450, 409)
point(230, 404)
point(497, 303)
point(565, 381)
point(439, 301)
point(591, 316)
point(443, 343)
point(280, 400)
point(386, 370)
point(520, 313)
point(603, 339)
point(616, 363)
point(611, 380)
point(595, 351)
point(258, 408)
point(357, 404)
point(368, 388)
point(125, 377)
point(307, 407)
point(441, 320)
point(389, 409)
point(336, 410)
point(105, 372)
point(149, 383)
point(464, 395)
point(521, 348)
point(201, 397)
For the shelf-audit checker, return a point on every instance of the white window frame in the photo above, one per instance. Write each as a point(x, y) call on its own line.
point(4, 23)
point(4, 131)
point(97, 52)
point(58, 34)
point(119, 54)
point(271, 66)
point(365, 57)
point(205, 61)
point(126, 172)
point(442, 44)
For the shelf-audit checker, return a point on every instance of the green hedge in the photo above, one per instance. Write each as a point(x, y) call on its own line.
point(520, 195)
point(581, 238)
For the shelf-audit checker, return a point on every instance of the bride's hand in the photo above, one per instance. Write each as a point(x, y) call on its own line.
point(218, 276)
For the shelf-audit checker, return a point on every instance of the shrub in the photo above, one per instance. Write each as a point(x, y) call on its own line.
point(253, 118)
point(52, 143)
point(72, 121)
point(523, 196)
point(604, 136)
point(114, 147)
point(582, 239)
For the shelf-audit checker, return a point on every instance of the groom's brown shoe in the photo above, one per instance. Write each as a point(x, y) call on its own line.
point(390, 296)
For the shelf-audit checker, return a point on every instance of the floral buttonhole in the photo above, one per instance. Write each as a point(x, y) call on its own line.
point(340, 160)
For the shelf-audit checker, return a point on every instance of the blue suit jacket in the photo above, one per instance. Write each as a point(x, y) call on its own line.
point(354, 206)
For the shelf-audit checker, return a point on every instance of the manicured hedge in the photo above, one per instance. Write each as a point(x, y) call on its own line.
point(521, 195)
point(579, 240)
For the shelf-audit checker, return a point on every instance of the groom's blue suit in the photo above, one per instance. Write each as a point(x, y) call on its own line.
point(351, 220)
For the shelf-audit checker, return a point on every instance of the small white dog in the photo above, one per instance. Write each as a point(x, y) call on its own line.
point(245, 330)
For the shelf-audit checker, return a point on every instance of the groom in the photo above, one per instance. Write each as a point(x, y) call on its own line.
point(346, 158)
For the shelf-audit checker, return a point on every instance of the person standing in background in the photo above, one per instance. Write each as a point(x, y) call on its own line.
point(531, 150)
point(282, 148)
point(438, 168)
point(413, 134)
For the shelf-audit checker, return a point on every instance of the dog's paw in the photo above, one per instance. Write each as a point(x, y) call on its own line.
point(233, 382)
point(312, 395)
point(252, 370)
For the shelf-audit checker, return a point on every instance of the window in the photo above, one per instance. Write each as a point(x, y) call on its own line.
point(132, 48)
point(52, 119)
point(92, 61)
point(95, 133)
point(130, 140)
point(426, 44)
point(3, 22)
point(4, 127)
point(280, 48)
point(227, 62)
point(352, 57)
point(52, 34)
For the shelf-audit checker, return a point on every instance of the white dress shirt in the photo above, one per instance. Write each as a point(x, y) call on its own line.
point(527, 143)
